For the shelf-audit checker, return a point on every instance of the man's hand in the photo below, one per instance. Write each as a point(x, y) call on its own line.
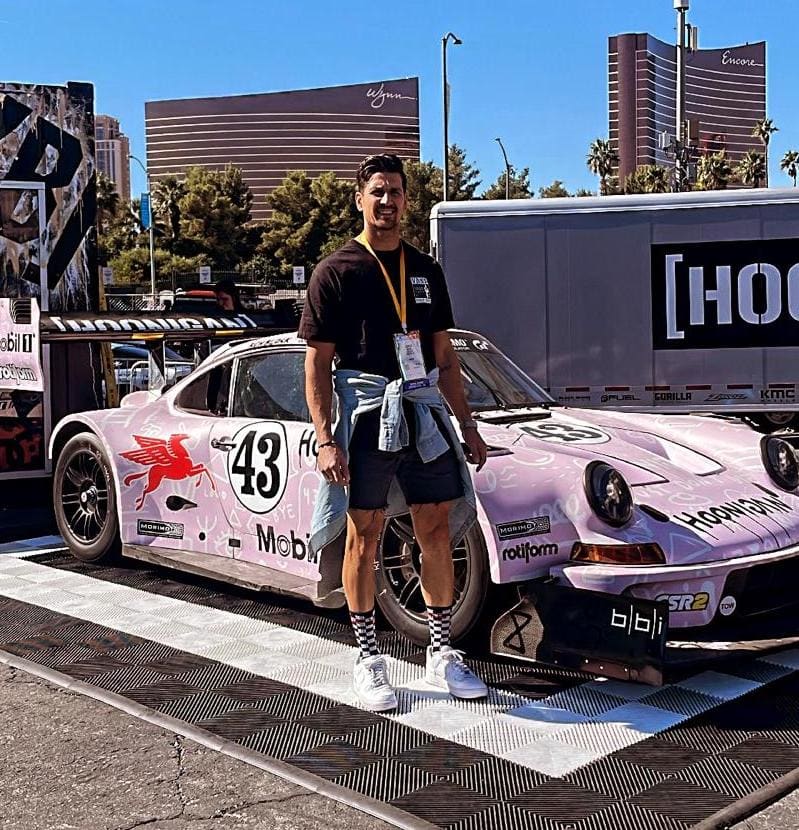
point(476, 449)
point(332, 464)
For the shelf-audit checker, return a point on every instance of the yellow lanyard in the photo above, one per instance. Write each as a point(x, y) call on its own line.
point(400, 306)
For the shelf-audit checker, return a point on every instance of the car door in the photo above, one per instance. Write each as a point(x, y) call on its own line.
point(172, 490)
point(270, 461)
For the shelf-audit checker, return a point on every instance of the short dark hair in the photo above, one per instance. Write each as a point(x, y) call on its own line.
point(228, 286)
point(381, 163)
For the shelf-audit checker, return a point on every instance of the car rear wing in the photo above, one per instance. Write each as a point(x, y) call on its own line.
point(24, 330)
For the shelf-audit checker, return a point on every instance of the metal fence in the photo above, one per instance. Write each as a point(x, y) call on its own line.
point(256, 293)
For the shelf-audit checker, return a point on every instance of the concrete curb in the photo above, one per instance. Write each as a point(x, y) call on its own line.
point(753, 803)
point(315, 784)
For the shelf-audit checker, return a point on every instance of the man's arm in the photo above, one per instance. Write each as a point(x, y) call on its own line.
point(331, 460)
point(451, 384)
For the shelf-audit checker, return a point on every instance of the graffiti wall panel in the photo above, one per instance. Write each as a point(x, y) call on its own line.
point(47, 139)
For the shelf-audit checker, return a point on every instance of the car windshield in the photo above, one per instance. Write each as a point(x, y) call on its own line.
point(494, 382)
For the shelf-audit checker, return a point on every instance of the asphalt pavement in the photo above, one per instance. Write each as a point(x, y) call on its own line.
point(74, 763)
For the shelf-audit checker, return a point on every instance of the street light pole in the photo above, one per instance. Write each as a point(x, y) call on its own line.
point(507, 168)
point(456, 41)
point(152, 243)
point(681, 6)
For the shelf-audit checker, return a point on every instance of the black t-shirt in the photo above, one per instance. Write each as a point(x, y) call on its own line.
point(349, 304)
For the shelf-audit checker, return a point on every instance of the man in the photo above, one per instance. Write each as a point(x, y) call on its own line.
point(380, 307)
point(227, 296)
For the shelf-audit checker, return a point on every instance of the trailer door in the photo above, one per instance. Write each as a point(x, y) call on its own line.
point(25, 419)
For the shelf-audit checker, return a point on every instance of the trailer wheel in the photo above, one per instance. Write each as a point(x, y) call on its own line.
point(399, 587)
point(771, 421)
point(85, 499)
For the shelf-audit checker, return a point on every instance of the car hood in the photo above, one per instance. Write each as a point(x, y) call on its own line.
point(699, 485)
point(644, 452)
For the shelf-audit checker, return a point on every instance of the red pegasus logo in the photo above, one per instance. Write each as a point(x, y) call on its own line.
point(165, 459)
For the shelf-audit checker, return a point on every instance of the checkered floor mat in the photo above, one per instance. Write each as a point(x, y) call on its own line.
point(276, 680)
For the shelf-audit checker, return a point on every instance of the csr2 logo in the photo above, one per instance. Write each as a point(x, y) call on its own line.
point(686, 602)
point(258, 465)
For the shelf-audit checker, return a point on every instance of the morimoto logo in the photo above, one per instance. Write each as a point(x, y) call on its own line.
point(725, 294)
point(286, 546)
point(527, 551)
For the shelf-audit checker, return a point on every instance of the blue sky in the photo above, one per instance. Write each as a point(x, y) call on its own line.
point(530, 71)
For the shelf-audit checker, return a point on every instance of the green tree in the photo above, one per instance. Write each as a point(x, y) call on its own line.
point(600, 160)
point(713, 171)
point(132, 266)
point(519, 186)
point(464, 178)
point(789, 164)
point(167, 194)
point(764, 129)
point(306, 215)
point(425, 182)
point(582, 191)
point(108, 201)
point(751, 169)
point(648, 178)
point(214, 212)
point(556, 190)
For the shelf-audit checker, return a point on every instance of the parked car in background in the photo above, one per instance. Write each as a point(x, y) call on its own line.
point(131, 367)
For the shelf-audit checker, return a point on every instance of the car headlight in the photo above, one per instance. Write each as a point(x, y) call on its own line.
point(642, 554)
point(779, 459)
point(608, 493)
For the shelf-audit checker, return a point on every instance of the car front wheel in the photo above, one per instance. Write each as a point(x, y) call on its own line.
point(85, 499)
point(399, 585)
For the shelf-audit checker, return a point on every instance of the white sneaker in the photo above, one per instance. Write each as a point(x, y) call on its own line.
point(447, 670)
point(370, 681)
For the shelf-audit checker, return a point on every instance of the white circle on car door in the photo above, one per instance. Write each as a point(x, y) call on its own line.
point(258, 465)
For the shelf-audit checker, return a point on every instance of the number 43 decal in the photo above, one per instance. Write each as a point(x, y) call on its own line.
point(258, 466)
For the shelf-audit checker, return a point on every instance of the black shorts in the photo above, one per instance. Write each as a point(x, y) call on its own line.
point(372, 470)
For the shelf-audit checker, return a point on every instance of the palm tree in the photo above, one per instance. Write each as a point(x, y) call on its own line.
point(167, 194)
point(600, 160)
point(713, 171)
point(656, 179)
point(763, 130)
point(788, 164)
point(107, 201)
point(751, 169)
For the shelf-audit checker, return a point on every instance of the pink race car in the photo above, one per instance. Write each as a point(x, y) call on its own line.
point(617, 529)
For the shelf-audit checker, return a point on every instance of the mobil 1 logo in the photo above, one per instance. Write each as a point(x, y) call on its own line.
point(258, 465)
point(712, 295)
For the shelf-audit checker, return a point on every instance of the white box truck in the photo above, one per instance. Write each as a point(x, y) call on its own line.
point(685, 302)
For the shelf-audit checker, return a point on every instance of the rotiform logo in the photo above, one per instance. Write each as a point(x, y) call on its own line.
point(527, 551)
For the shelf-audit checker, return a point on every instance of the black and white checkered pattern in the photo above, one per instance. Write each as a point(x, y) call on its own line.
point(599, 753)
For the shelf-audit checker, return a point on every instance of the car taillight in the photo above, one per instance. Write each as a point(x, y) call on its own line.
point(644, 554)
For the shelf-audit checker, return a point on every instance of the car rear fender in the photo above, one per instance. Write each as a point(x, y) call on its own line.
point(73, 425)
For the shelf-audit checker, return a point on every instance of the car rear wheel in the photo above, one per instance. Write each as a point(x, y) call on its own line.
point(85, 499)
point(399, 586)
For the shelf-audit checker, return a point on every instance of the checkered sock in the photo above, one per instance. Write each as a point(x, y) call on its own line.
point(363, 623)
point(438, 621)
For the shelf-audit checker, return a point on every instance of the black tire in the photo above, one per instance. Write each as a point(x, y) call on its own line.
point(398, 583)
point(773, 421)
point(85, 500)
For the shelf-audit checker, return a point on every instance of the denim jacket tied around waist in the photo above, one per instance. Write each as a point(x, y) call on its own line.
point(358, 393)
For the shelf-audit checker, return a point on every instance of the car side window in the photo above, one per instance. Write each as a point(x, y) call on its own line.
point(208, 393)
point(271, 385)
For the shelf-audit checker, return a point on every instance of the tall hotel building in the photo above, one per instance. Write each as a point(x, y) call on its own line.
point(725, 92)
point(112, 149)
point(267, 135)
